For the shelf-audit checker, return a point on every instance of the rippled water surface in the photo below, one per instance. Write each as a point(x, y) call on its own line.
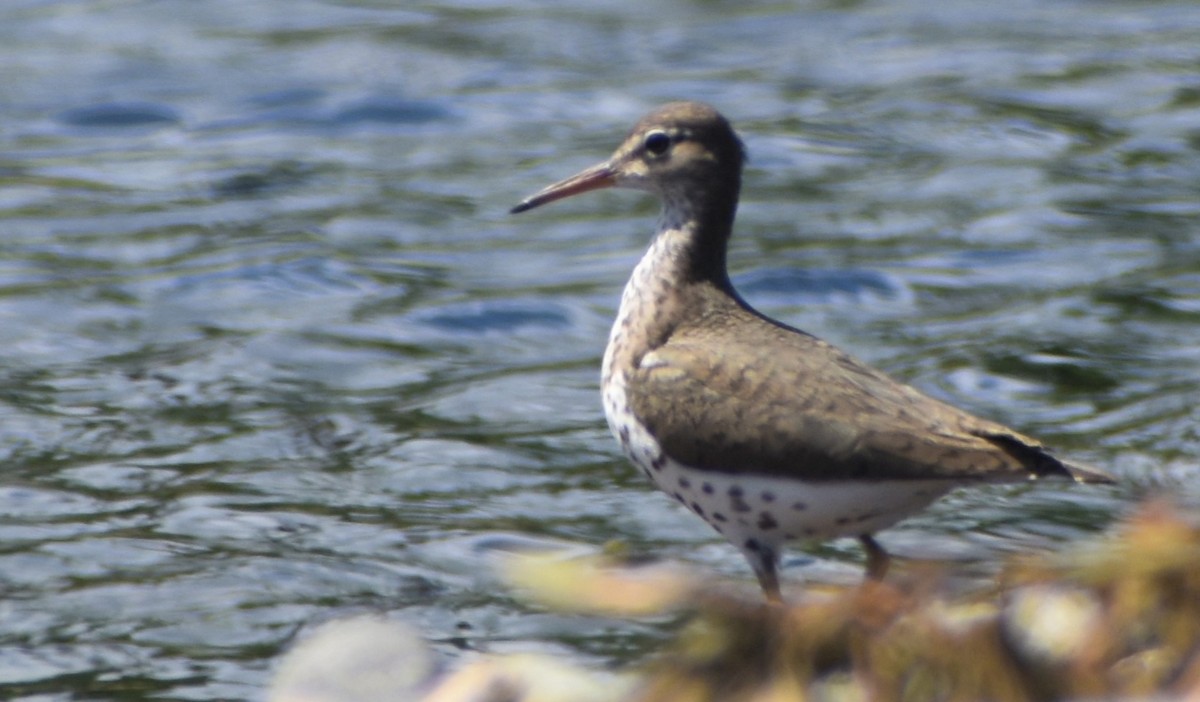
point(274, 353)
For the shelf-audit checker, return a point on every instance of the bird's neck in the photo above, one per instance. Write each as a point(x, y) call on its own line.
point(697, 226)
point(685, 263)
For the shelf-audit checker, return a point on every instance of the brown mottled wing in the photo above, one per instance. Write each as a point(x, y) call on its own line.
point(768, 399)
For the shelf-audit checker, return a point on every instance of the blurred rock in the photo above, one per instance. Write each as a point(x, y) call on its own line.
point(363, 659)
point(529, 678)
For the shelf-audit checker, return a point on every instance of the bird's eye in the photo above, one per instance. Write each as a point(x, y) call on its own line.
point(657, 143)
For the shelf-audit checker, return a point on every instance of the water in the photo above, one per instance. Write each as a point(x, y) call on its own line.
point(274, 353)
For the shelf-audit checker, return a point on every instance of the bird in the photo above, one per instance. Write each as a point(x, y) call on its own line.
point(766, 432)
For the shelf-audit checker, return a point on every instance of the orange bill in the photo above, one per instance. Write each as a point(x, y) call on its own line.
point(594, 178)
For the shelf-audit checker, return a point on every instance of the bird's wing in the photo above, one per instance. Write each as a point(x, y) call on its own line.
point(813, 412)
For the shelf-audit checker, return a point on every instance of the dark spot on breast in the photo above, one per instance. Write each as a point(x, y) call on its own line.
point(766, 522)
point(659, 461)
point(623, 433)
point(735, 491)
point(768, 496)
point(697, 509)
point(842, 520)
point(678, 497)
point(737, 504)
point(707, 488)
point(719, 517)
point(752, 545)
point(799, 506)
point(684, 483)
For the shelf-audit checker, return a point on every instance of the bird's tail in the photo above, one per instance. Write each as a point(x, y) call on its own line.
point(1083, 473)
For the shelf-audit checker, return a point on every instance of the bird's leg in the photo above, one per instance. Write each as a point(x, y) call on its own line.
point(765, 562)
point(877, 558)
point(770, 585)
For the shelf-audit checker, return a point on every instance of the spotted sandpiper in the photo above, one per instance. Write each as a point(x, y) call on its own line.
point(766, 432)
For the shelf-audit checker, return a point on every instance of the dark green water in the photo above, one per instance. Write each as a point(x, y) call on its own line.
point(274, 353)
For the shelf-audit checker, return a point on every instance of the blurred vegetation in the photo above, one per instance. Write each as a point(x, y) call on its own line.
point(1117, 618)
